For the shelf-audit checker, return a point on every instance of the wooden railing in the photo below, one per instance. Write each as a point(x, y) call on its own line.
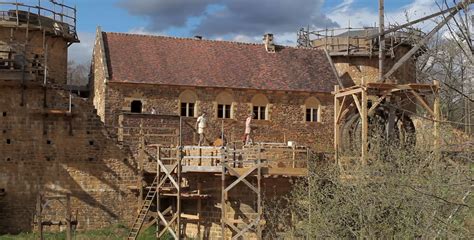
point(45, 13)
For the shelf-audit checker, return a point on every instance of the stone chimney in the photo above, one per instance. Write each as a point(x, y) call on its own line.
point(268, 41)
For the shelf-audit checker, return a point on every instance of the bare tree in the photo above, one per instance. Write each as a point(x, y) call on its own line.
point(78, 74)
point(403, 194)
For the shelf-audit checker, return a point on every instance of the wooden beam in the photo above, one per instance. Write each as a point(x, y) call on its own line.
point(341, 106)
point(356, 100)
point(423, 102)
point(333, 68)
point(341, 109)
point(337, 111)
point(365, 124)
point(376, 104)
point(344, 113)
point(349, 92)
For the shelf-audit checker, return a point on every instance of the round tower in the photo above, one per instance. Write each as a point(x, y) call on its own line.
point(34, 40)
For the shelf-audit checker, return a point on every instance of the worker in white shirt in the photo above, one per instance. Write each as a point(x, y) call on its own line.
point(248, 139)
point(201, 124)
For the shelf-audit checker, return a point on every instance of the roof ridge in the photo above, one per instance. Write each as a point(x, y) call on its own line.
point(205, 40)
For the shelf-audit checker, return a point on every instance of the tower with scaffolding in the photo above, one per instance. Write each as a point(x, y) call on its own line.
point(378, 93)
point(34, 40)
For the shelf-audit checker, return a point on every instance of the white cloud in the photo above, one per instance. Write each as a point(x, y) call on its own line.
point(366, 17)
point(145, 31)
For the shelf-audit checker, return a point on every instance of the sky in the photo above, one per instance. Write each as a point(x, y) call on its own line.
point(234, 20)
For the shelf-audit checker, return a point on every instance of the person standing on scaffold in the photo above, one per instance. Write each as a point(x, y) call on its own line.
point(201, 124)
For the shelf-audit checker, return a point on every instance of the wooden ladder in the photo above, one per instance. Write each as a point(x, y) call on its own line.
point(137, 225)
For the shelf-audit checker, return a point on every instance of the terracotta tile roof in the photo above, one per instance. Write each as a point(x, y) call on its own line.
point(179, 61)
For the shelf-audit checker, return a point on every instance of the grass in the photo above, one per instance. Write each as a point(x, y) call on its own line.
point(116, 232)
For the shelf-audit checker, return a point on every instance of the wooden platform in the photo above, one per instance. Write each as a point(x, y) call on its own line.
point(266, 171)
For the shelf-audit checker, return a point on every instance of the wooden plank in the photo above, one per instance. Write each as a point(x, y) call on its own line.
point(276, 171)
point(381, 85)
point(190, 217)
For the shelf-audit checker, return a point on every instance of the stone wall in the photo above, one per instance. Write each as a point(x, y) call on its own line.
point(99, 75)
point(285, 109)
point(56, 154)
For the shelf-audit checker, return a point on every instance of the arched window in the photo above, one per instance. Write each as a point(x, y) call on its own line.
point(260, 107)
point(312, 110)
point(224, 105)
point(136, 106)
point(187, 101)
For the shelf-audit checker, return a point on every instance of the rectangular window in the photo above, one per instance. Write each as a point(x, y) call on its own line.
point(184, 109)
point(187, 109)
point(311, 114)
point(259, 112)
point(190, 109)
point(223, 111)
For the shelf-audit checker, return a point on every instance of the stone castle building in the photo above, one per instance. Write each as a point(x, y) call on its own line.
point(58, 144)
point(288, 89)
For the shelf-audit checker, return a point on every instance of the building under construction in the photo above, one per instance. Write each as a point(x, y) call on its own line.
point(129, 152)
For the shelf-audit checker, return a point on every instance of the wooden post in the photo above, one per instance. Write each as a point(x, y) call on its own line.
point(39, 217)
point(199, 207)
point(381, 40)
point(348, 37)
point(337, 107)
point(365, 123)
point(158, 179)
point(223, 195)
point(68, 217)
point(259, 194)
point(178, 192)
point(437, 119)
point(141, 146)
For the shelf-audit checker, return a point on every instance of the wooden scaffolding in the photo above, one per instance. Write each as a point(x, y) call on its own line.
point(237, 166)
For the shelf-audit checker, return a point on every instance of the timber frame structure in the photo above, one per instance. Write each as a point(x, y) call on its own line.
point(355, 100)
point(42, 202)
